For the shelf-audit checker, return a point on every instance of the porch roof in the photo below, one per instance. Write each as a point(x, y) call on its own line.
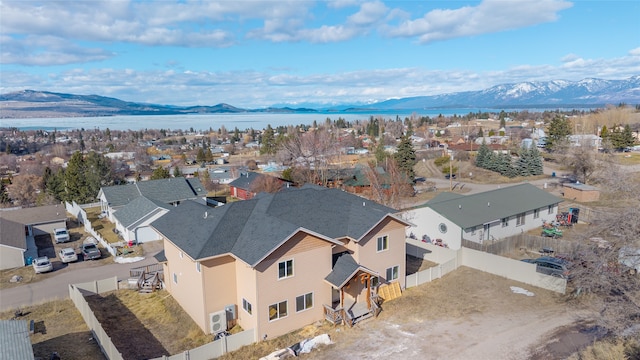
point(345, 268)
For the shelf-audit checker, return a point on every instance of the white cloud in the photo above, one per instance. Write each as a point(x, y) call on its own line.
point(47, 50)
point(487, 17)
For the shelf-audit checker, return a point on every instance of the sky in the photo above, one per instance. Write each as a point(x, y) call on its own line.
point(255, 54)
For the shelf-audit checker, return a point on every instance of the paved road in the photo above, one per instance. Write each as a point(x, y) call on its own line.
point(57, 287)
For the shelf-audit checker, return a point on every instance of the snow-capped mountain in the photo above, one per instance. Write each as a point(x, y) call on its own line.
point(586, 92)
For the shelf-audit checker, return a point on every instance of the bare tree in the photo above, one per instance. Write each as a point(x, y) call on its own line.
point(266, 183)
point(24, 189)
point(582, 161)
point(310, 150)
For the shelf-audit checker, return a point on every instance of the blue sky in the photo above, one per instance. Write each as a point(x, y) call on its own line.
point(256, 54)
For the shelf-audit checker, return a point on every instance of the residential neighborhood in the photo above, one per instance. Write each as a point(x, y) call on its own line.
point(254, 244)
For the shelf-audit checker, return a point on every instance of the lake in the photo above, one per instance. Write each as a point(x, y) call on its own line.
point(215, 121)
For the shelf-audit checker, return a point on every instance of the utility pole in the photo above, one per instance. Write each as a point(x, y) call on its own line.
point(450, 174)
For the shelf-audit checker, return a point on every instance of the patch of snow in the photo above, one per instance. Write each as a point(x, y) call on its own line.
point(126, 260)
point(519, 290)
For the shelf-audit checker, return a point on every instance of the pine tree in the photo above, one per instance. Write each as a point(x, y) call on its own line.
point(268, 145)
point(380, 153)
point(522, 165)
point(535, 162)
point(483, 155)
point(504, 165)
point(160, 173)
point(406, 157)
point(559, 129)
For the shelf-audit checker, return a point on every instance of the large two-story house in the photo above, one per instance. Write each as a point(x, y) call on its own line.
point(282, 260)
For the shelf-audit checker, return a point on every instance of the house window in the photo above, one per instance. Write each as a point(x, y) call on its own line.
point(175, 278)
point(285, 269)
point(550, 209)
point(473, 230)
point(505, 222)
point(392, 273)
point(304, 302)
point(198, 266)
point(520, 219)
point(383, 243)
point(536, 213)
point(443, 228)
point(246, 306)
point(278, 311)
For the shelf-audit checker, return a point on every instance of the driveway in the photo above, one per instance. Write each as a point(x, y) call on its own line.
point(57, 286)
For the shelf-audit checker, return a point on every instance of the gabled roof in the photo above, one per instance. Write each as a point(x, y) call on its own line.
point(344, 269)
point(163, 190)
point(481, 208)
point(12, 234)
point(251, 229)
point(245, 180)
point(36, 215)
point(136, 211)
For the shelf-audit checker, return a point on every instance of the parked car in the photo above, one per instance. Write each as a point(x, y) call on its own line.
point(448, 176)
point(551, 266)
point(61, 235)
point(67, 255)
point(42, 264)
point(90, 251)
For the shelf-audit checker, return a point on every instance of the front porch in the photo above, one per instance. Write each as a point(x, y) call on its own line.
point(352, 312)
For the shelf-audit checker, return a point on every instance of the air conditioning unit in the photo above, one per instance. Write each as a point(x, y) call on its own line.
point(218, 322)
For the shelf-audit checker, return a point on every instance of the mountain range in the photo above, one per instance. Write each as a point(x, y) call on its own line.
point(534, 94)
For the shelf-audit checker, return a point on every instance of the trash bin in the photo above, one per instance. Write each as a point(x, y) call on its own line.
point(29, 260)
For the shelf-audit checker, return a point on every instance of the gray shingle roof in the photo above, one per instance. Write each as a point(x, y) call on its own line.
point(245, 180)
point(251, 229)
point(163, 190)
point(344, 269)
point(136, 211)
point(12, 234)
point(36, 215)
point(14, 340)
point(477, 209)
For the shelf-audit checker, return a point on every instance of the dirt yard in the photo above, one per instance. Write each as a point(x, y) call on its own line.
point(465, 315)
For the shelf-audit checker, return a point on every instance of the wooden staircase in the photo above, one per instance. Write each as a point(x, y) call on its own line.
point(149, 278)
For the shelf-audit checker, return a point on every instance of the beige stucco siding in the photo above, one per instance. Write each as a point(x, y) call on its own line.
point(219, 282)
point(184, 283)
point(311, 264)
point(246, 289)
point(367, 253)
point(11, 257)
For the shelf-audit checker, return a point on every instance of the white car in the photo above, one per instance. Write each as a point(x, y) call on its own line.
point(61, 235)
point(42, 264)
point(68, 255)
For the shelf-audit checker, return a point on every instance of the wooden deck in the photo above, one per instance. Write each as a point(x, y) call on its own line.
point(352, 313)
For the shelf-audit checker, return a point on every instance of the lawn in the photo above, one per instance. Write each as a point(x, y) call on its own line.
point(60, 328)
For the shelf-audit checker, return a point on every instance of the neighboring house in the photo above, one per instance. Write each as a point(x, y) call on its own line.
point(490, 215)
point(133, 207)
point(19, 227)
point(243, 187)
point(169, 191)
point(15, 341)
point(580, 192)
point(283, 260)
point(587, 140)
point(133, 220)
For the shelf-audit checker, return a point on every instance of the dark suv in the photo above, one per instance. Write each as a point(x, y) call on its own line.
point(551, 266)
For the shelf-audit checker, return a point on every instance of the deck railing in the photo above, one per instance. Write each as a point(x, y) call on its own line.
point(336, 316)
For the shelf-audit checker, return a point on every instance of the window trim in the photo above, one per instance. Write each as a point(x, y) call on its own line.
point(536, 213)
point(277, 306)
point(385, 243)
point(397, 273)
point(304, 299)
point(198, 267)
point(286, 276)
point(520, 219)
point(505, 221)
point(247, 307)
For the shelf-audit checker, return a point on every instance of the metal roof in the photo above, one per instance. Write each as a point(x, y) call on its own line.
point(481, 208)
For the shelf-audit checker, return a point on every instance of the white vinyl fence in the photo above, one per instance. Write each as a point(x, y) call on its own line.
point(449, 260)
point(78, 211)
point(215, 348)
point(76, 292)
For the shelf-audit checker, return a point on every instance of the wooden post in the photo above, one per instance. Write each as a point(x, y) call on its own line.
point(365, 279)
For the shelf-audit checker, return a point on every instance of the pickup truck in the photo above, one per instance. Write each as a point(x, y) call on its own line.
point(90, 251)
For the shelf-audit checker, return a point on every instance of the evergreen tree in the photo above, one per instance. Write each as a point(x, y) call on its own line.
point(200, 157)
point(480, 133)
point(492, 162)
point(74, 181)
point(4, 194)
point(522, 165)
point(380, 153)
point(559, 129)
point(504, 165)
point(483, 155)
point(177, 172)
point(406, 157)
point(97, 174)
point(160, 173)
point(268, 145)
point(535, 162)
